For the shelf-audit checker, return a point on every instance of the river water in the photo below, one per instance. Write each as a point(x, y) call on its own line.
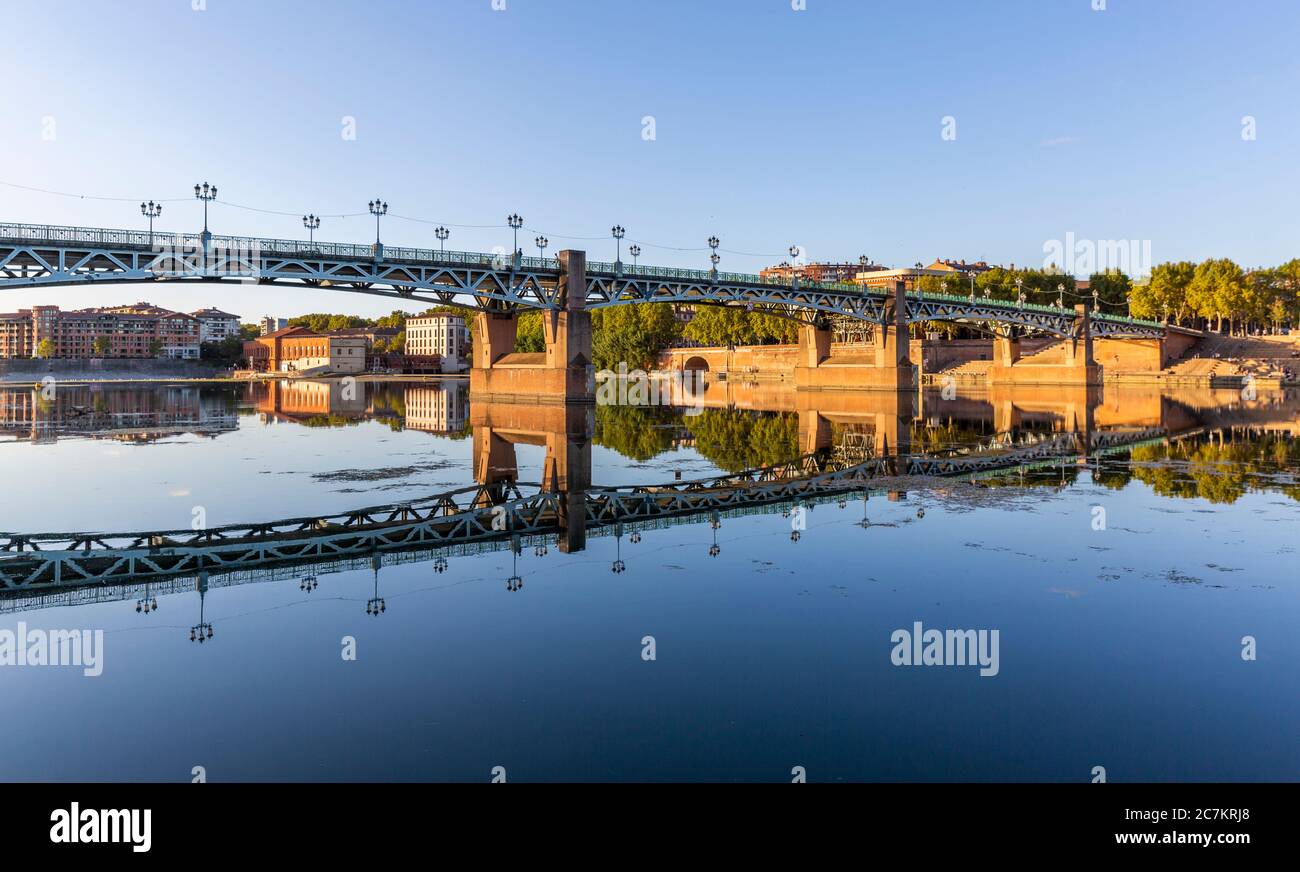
point(1144, 591)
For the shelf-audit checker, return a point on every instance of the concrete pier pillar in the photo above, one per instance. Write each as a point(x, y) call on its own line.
point(494, 337)
point(889, 367)
point(814, 345)
point(564, 372)
point(1078, 348)
point(1006, 350)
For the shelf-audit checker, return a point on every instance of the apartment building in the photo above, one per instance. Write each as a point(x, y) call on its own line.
point(444, 335)
point(140, 330)
point(216, 325)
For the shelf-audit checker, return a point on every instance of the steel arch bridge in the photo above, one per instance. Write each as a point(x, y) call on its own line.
point(34, 255)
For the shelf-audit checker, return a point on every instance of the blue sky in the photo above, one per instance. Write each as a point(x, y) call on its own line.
point(820, 127)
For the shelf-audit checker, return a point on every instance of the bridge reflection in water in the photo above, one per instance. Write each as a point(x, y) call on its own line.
point(849, 444)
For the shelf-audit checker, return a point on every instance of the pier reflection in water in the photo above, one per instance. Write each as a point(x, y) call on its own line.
point(684, 507)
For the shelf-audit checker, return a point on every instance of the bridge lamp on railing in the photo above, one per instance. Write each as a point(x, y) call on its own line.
point(441, 233)
point(151, 210)
point(635, 251)
point(312, 223)
point(207, 193)
point(1060, 296)
point(714, 242)
point(618, 233)
point(795, 252)
point(515, 221)
point(1096, 300)
point(378, 208)
point(715, 522)
point(541, 242)
point(1020, 292)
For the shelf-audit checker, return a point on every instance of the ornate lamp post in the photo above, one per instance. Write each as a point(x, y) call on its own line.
point(311, 222)
point(714, 242)
point(1020, 293)
point(715, 522)
point(1060, 296)
point(1096, 300)
point(515, 221)
point(207, 193)
point(618, 233)
point(794, 265)
point(152, 210)
point(635, 251)
point(541, 242)
point(378, 208)
point(441, 233)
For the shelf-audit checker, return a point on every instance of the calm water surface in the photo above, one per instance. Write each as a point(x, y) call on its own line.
point(1121, 586)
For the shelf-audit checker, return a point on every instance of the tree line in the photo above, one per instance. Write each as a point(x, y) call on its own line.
point(1216, 294)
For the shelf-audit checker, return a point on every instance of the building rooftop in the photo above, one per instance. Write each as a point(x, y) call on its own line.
point(288, 331)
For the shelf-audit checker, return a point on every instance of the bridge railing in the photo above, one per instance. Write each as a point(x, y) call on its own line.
point(50, 234)
point(703, 275)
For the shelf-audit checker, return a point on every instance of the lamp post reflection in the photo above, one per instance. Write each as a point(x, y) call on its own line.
point(203, 629)
point(375, 605)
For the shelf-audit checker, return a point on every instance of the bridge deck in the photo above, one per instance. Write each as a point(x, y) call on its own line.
point(48, 255)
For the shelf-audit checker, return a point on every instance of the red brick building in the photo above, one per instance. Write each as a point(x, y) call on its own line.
point(297, 349)
point(137, 331)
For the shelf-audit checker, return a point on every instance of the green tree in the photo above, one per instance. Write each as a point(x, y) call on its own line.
point(228, 351)
point(100, 346)
point(1216, 290)
point(396, 318)
point(1165, 292)
point(1113, 288)
point(633, 334)
point(720, 325)
point(529, 337)
point(155, 347)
